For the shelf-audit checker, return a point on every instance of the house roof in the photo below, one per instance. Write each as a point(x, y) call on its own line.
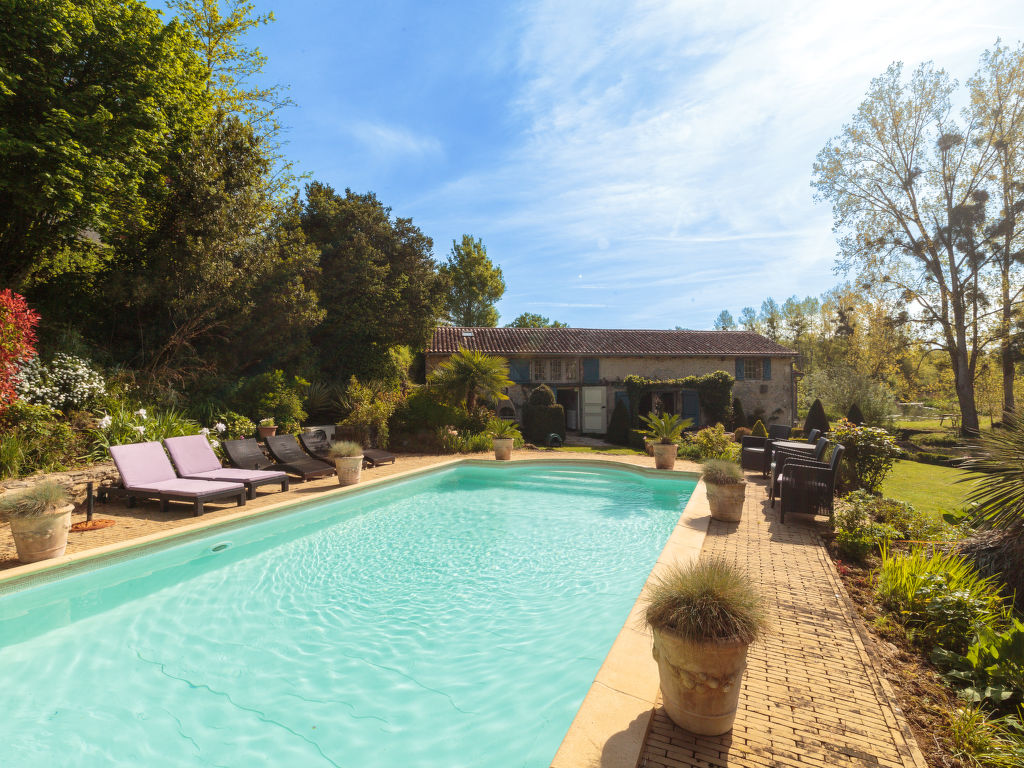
point(605, 342)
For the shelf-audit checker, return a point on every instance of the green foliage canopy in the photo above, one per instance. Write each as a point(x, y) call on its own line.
point(475, 282)
point(531, 320)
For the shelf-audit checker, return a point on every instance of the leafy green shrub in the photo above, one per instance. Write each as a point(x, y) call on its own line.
point(541, 421)
point(450, 440)
point(707, 600)
point(370, 413)
point(941, 596)
point(236, 426)
point(908, 522)
point(618, 426)
point(992, 669)
point(36, 438)
point(67, 383)
point(926, 457)
point(123, 425)
point(759, 429)
point(426, 409)
point(689, 451)
point(739, 433)
point(839, 387)
point(870, 455)
point(713, 443)
point(857, 532)
point(272, 395)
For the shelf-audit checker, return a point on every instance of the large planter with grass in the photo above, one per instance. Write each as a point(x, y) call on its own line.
point(503, 434)
point(703, 618)
point(665, 455)
point(40, 518)
point(726, 490)
point(348, 461)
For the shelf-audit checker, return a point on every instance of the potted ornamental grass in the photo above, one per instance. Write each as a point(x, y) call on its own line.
point(348, 460)
point(703, 616)
point(665, 432)
point(504, 433)
point(40, 517)
point(267, 428)
point(726, 488)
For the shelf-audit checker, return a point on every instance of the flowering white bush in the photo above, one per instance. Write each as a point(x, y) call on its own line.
point(67, 383)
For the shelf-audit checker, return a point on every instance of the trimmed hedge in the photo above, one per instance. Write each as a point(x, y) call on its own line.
point(539, 421)
point(618, 427)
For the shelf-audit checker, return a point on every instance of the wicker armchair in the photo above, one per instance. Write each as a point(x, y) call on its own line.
point(813, 435)
point(809, 487)
point(752, 452)
point(781, 455)
point(779, 432)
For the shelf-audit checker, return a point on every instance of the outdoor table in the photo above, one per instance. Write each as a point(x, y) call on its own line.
point(792, 445)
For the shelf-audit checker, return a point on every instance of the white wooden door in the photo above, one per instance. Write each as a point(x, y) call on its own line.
point(593, 409)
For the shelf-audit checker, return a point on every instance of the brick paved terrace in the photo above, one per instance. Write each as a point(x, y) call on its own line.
point(811, 694)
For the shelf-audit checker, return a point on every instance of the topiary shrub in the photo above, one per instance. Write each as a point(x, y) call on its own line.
point(618, 427)
point(739, 419)
point(816, 418)
point(854, 416)
point(542, 396)
point(539, 421)
point(759, 429)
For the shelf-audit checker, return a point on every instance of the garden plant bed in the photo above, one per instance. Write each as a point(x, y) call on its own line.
point(923, 697)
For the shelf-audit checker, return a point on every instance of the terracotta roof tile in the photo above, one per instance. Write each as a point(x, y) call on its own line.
point(606, 342)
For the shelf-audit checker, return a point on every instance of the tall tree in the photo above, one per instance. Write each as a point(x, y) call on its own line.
point(906, 185)
point(748, 319)
point(531, 320)
point(379, 284)
point(476, 284)
point(997, 97)
point(724, 321)
point(93, 96)
point(771, 319)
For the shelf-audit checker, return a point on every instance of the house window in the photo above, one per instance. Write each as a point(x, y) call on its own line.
point(556, 370)
point(752, 368)
point(519, 370)
point(570, 371)
point(539, 370)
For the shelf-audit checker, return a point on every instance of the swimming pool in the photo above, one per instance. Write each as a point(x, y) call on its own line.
point(452, 619)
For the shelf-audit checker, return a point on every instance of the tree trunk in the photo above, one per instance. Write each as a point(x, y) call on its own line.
point(969, 425)
point(1006, 349)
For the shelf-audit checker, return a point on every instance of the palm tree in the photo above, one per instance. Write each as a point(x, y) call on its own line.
point(999, 491)
point(472, 375)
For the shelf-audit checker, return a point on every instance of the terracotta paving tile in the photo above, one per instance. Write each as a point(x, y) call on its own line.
point(811, 696)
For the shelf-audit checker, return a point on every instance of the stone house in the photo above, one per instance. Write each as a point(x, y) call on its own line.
point(586, 367)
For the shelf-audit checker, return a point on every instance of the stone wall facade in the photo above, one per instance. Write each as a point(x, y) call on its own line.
point(74, 481)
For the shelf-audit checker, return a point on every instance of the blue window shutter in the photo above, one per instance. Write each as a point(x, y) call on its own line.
point(739, 369)
point(591, 370)
point(519, 370)
point(766, 368)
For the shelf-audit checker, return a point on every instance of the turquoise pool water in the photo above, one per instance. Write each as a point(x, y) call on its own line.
point(452, 619)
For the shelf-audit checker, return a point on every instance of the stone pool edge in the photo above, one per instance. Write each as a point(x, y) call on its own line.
point(611, 724)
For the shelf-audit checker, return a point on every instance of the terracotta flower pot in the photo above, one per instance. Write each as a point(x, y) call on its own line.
point(349, 468)
point(503, 448)
point(267, 431)
point(726, 501)
point(665, 455)
point(700, 681)
point(43, 537)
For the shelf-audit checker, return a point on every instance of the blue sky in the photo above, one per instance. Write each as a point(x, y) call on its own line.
point(627, 164)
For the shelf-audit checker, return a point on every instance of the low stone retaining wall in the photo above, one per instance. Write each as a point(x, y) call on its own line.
point(74, 480)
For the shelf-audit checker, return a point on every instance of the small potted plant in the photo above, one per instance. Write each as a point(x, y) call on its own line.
point(348, 459)
point(726, 489)
point(267, 428)
point(503, 433)
point(40, 517)
point(666, 431)
point(703, 616)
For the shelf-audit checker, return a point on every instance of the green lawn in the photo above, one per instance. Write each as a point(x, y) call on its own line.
point(927, 486)
point(932, 425)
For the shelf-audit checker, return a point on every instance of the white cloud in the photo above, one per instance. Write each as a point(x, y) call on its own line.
point(390, 140)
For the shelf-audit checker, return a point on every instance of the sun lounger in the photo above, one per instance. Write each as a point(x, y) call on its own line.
point(291, 457)
point(194, 458)
point(146, 472)
point(317, 445)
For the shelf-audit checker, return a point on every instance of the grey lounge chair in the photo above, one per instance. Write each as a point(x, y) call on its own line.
point(146, 472)
point(286, 450)
point(194, 458)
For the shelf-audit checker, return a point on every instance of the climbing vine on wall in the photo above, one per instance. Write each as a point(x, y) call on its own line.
point(713, 389)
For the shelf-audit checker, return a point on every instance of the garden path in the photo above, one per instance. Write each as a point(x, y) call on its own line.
point(812, 697)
